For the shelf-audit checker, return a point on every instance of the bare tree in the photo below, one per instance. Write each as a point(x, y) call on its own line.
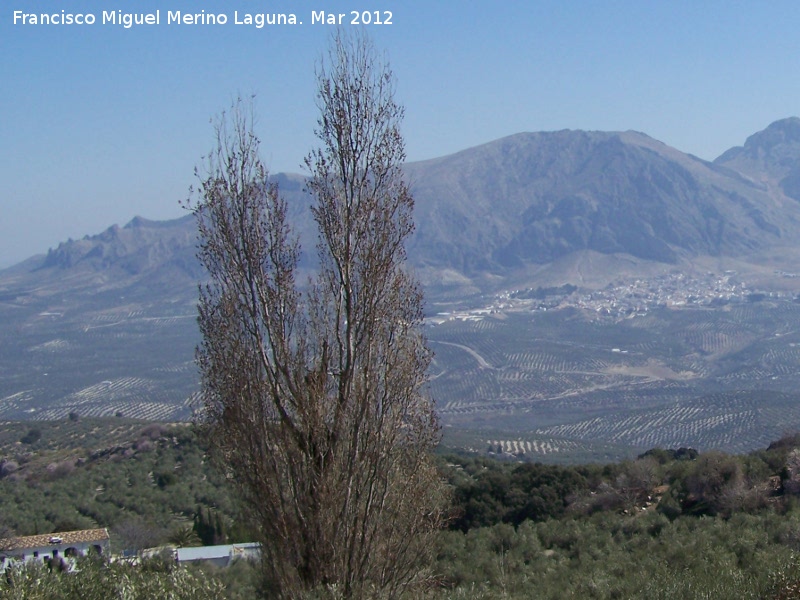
point(138, 534)
point(637, 481)
point(315, 396)
point(7, 538)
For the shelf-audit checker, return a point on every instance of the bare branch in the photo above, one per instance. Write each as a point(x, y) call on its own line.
point(316, 400)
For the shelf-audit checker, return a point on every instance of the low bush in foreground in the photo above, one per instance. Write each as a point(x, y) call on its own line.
point(612, 556)
point(98, 580)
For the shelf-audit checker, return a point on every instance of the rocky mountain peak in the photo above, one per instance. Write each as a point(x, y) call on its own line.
point(140, 246)
point(780, 133)
point(771, 156)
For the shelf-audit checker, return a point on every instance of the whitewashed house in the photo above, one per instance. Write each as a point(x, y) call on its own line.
point(66, 545)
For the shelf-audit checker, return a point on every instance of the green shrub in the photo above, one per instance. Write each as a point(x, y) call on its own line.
point(98, 580)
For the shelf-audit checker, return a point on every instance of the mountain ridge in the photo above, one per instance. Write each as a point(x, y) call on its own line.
point(525, 200)
point(604, 191)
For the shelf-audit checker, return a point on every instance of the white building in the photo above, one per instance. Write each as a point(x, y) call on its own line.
point(68, 544)
point(220, 556)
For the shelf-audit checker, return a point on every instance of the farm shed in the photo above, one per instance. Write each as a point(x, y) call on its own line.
point(220, 556)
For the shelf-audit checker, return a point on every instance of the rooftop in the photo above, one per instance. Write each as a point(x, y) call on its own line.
point(52, 539)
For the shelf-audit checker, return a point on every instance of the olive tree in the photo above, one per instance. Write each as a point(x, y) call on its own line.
point(314, 391)
point(95, 579)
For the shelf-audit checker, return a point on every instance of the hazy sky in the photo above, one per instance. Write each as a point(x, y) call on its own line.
point(101, 122)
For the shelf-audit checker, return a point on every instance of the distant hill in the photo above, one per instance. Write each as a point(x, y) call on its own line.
point(534, 198)
point(142, 248)
point(105, 325)
point(140, 245)
point(770, 158)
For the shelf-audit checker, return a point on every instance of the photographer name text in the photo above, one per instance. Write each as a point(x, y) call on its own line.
point(128, 20)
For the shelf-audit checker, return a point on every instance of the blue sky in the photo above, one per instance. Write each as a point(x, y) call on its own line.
point(101, 123)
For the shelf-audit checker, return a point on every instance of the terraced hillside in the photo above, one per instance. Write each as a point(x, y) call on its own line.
point(568, 380)
point(99, 352)
point(547, 384)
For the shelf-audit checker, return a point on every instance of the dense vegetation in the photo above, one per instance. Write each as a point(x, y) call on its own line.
point(148, 483)
point(97, 580)
point(671, 524)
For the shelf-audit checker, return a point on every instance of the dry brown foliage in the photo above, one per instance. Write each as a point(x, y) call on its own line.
point(315, 395)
